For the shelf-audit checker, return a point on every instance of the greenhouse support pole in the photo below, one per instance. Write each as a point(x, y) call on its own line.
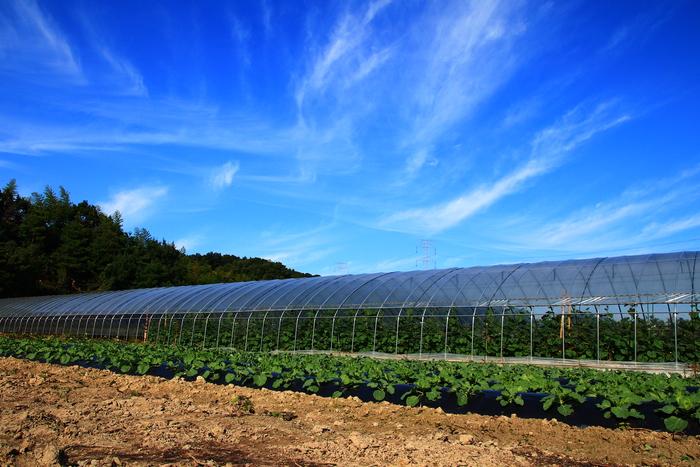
point(532, 331)
point(247, 330)
point(111, 324)
point(503, 319)
point(447, 330)
point(233, 329)
point(352, 339)
point(128, 323)
point(635, 335)
point(313, 330)
point(398, 321)
point(675, 331)
point(83, 325)
point(597, 332)
point(94, 325)
point(279, 329)
point(473, 325)
point(422, 324)
point(194, 326)
point(17, 324)
point(119, 327)
point(563, 338)
point(333, 327)
point(262, 329)
point(170, 322)
point(218, 330)
point(158, 331)
point(206, 327)
point(12, 327)
point(374, 340)
point(182, 329)
point(296, 330)
point(43, 325)
point(31, 321)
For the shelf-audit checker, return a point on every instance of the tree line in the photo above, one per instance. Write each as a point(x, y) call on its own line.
point(50, 245)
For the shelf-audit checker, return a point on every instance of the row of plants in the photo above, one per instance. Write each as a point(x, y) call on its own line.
point(618, 394)
point(629, 336)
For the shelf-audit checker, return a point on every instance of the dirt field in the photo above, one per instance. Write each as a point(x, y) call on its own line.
point(54, 415)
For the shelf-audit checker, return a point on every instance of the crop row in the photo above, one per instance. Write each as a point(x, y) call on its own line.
point(623, 336)
point(618, 394)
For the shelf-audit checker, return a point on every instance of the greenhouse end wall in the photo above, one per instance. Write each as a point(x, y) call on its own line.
point(637, 309)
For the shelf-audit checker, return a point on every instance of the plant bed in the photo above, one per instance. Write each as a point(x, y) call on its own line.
point(580, 397)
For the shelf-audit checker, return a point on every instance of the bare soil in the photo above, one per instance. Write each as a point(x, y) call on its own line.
point(56, 415)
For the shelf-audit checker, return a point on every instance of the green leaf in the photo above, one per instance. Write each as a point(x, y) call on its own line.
point(547, 402)
point(668, 409)
point(462, 398)
point(565, 409)
point(578, 397)
point(229, 377)
point(143, 368)
point(412, 401)
point(675, 424)
point(260, 380)
point(125, 368)
point(433, 394)
point(379, 395)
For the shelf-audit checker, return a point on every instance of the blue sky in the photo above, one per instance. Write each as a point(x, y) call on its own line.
point(316, 133)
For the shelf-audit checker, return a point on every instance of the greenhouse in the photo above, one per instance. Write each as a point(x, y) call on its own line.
point(630, 308)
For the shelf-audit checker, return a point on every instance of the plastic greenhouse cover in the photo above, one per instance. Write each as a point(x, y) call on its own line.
point(668, 278)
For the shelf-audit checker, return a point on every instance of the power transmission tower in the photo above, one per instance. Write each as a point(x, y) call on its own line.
point(427, 247)
point(342, 268)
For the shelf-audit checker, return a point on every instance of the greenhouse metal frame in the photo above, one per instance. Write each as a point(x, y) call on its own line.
point(640, 308)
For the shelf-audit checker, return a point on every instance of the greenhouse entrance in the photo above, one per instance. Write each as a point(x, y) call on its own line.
point(637, 309)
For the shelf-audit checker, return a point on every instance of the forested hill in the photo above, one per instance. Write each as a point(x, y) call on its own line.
point(50, 245)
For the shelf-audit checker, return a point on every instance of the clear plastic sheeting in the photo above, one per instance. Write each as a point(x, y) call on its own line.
point(630, 308)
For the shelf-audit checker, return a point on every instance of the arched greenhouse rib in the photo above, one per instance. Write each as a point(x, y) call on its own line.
point(629, 308)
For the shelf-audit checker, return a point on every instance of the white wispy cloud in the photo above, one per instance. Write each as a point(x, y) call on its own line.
point(300, 247)
point(650, 211)
point(468, 55)
point(151, 122)
point(547, 149)
point(222, 177)
point(32, 44)
point(437, 218)
point(577, 126)
point(9, 165)
point(135, 204)
point(663, 230)
point(241, 35)
point(348, 57)
point(127, 78)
